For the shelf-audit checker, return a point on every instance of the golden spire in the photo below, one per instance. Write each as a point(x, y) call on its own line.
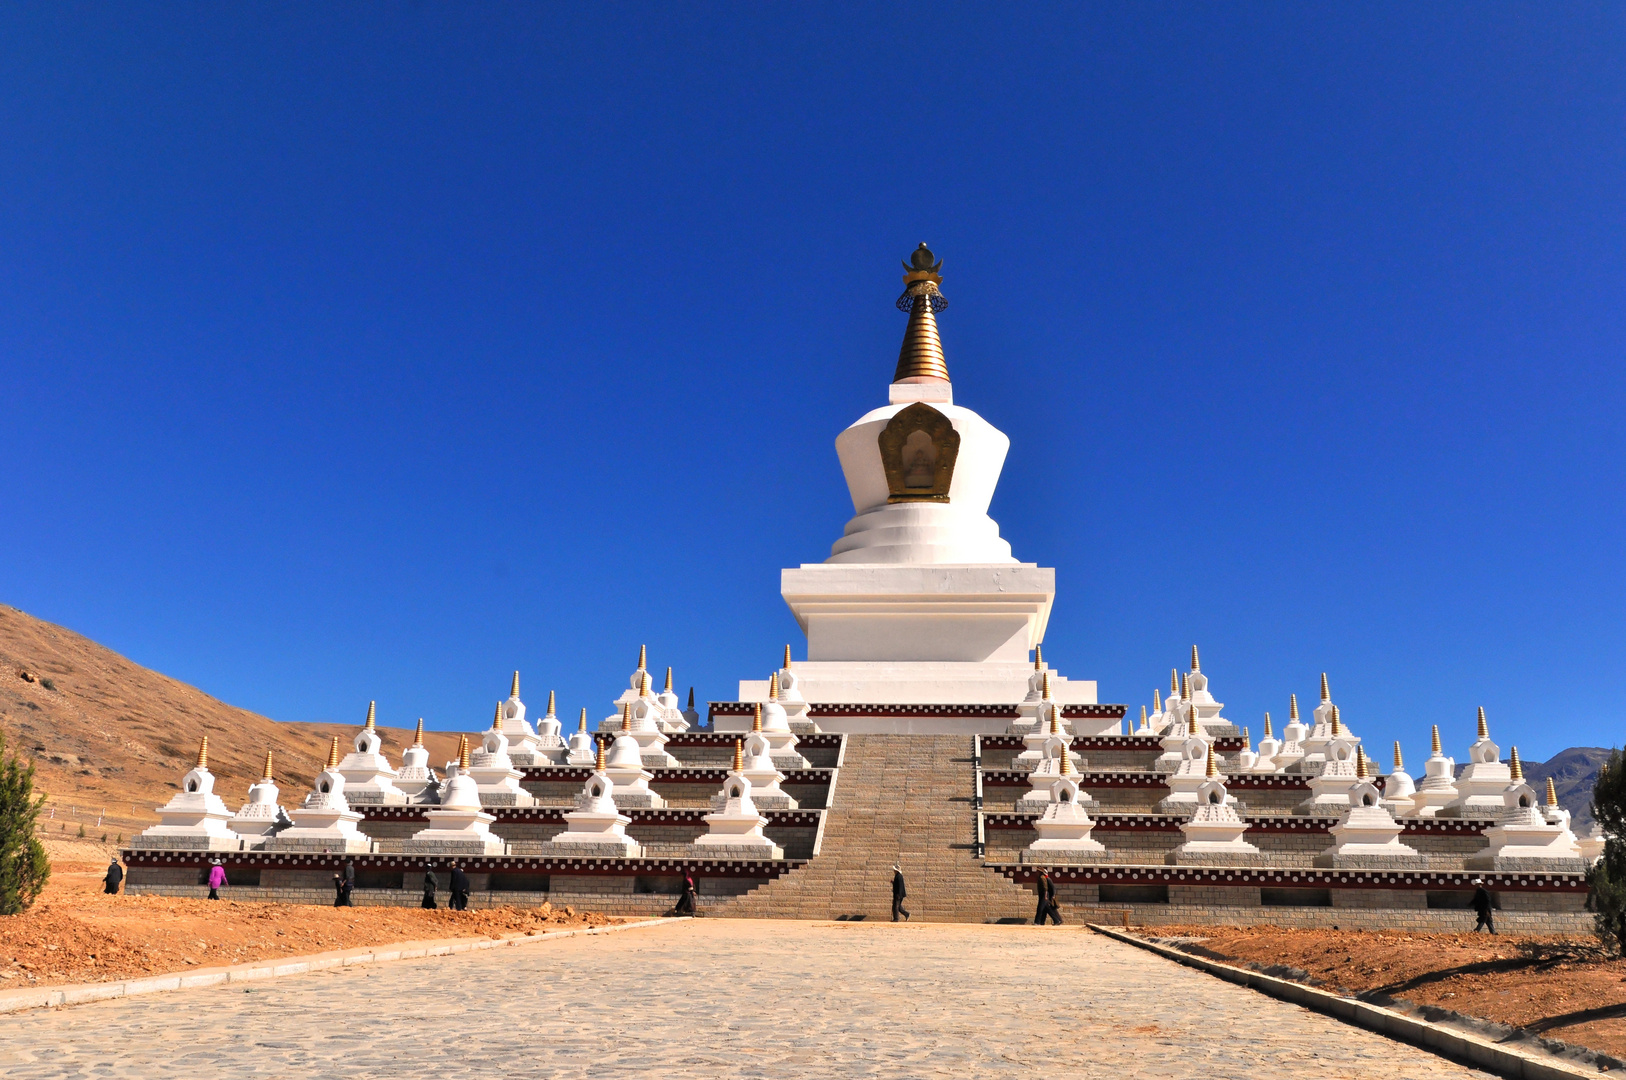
point(417, 736)
point(739, 755)
point(921, 358)
point(1292, 708)
point(1336, 728)
point(1247, 740)
point(1191, 722)
point(668, 689)
point(1047, 686)
point(1325, 694)
point(203, 752)
point(1038, 657)
point(1213, 769)
point(1518, 769)
point(1157, 702)
point(581, 724)
point(513, 691)
point(1142, 716)
point(643, 655)
point(332, 754)
point(786, 664)
point(1436, 739)
point(1268, 735)
point(266, 776)
point(626, 716)
point(496, 721)
point(643, 686)
point(1360, 763)
point(1400, 764)
point(756, 722)
point(1066, 762)
point(1194, 665)
point(1185, 688)
point(1484, 728)
point(1055, 720)
point(773, 687)
point(372, 714)
point(1174, 682)
point(1552, 793)
point(598, 758)
point(550, 704)
point(463, 752)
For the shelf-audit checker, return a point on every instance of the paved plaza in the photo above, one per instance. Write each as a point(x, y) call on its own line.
point(714, 998)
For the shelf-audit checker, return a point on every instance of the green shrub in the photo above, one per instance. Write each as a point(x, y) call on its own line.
point(1606, 879)
point(81, 833)
point(23, 865)
point(48, 684)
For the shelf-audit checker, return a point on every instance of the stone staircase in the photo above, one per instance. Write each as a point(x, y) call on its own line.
point(903, 799)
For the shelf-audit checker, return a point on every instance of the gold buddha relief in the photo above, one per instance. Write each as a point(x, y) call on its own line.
point(918, 448)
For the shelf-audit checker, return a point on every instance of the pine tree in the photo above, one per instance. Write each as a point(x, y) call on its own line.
point(1607, 877)
point(23, 865)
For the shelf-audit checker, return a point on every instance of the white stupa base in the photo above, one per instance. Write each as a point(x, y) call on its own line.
point(318, 840)
point(587, 846)
point(1215, 853)
point(1474, 806)
point(188, 841)
point(637, 799)
point(762, 798)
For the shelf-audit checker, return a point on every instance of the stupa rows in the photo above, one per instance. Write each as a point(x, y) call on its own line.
point(924, 728)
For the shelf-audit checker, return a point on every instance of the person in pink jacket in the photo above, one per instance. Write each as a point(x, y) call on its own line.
point(217, 878)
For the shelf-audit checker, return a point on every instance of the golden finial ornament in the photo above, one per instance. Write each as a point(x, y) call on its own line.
point(203, 752)
point(1142, 716)
point(550, 704)
point(739, 755)
point(1292, 708)
point(372, 715)
point(463, 752)
point(1047, 686)
point(643, 685)
point(668, 689)
point(1337, 729)
point(1400, 763)
point(1360, 763)
point(756, 721)
point(1434, 740)
point(1055, 720)
point(1552, 793)
point(1038, 657)
point(1185, 688)
point(643, 656)
point(496, 721)
point(1326, 695)
point(773, 687)
point(921, 357)
point(513, 691)
point(1174, 682)
point(786, 664)
point(1484, 728)
point(1066, 762)
point(1194, 665)
point(417, 736)
point(1212, 769)
point(626, 716)
point(1516, 766)
point(266, 776)
point(1191, 722)
point(1247, 740)
point(333, 754)
point(581, 723)
point(1157, 702)
point(598, 760)
point(1268, 735)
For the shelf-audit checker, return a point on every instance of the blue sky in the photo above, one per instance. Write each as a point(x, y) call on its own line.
point(360, 351)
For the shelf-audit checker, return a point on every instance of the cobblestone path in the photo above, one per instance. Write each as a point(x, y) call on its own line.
point(736, 998)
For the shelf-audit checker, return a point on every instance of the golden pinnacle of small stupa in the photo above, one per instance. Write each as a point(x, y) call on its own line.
point(372, 715)
point(1191, 722)
point(462, 752)
point(1055, 721)
point(626, 716)
point(513, 691)
point(1174, 682)
point(1360, 763)
point(668, 689)
point(1038, 657)
point(1292, 708)
point(1337, 729)
point(1066, 762)
point(417, 736)
point(1247, 740)
point(773, 686)
point(1047, 686)
point(643, 685)
point(598, 757)
point(1268, 735)
point(920, 359)
point(786, 664)
point(1194, 665)
point(643, 656)
point(581, 722)
point(1212, 769)
point(756, 720)
point(1142, 717)
point(1552, 793)
point(1157, 702)
point(203, 752)
point(496, 721)
point(1326, 695)
point(739, 755)
point(550, 704)
point(1516, 766)
point(1484, 728)
point(1185, 688)
point(1434, 740)
point(333, 754)
point(1400, 763)
point(266, 776)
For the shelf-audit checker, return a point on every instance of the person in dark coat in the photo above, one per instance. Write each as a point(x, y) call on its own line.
point(898, 893)
point(1482, 908)
point(349, 882)
point(429, 887)
point(115, 874)
point(1047, 901)
point(685, 904)
point(338, 890)
point(460, 889)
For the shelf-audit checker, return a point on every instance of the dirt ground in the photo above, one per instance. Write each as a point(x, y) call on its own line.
point(1560, 987)
point(77, 934)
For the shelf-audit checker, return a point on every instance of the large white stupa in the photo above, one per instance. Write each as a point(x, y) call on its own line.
point(921, 601)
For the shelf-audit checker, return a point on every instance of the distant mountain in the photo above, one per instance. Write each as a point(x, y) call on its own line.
point(1574, 771)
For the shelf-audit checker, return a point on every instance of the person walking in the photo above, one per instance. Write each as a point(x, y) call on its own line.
point(1482, 907)
point(460, 889)
point(338, 889)
point(1047, 901)
point(115, 874)
point(685, 904)
point(899, 891)
point(429, 887)
point(217, 878)
point(349, 882)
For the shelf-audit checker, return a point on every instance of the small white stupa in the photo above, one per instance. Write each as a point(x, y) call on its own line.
point(582, 750)
point(1438, 787)
point(415, 779)
point(635, 690)
point(1482, 787)
point(1192, 774)
point(1143, 729)
point(524, 748)
point(368, 777)
point(1158, 720)
point(458, 826)
point(1214, 832)
point(1398, 788)
point(734, 830)
point(493, 770)
point(1064, 827)
point(671, 720)
point(1057, 758)
point(1323, 733)
point(691, 716)
point(324, 821)
point(1200, 702)
point(1288, 756)
point(776, 729)
point(1331, 785)
point(1264, 760)
point(790, 695)
point(1027, 710)
point(1245, 759)
point(550, 744)
point(641, 718)
point(1367, 836)
point(1052, 722)
point(1593, 841)
point(765, 777)
point(596, 827)
point(625, 768)
point(1525, 838)
point(195, 818)
point(261, 816)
